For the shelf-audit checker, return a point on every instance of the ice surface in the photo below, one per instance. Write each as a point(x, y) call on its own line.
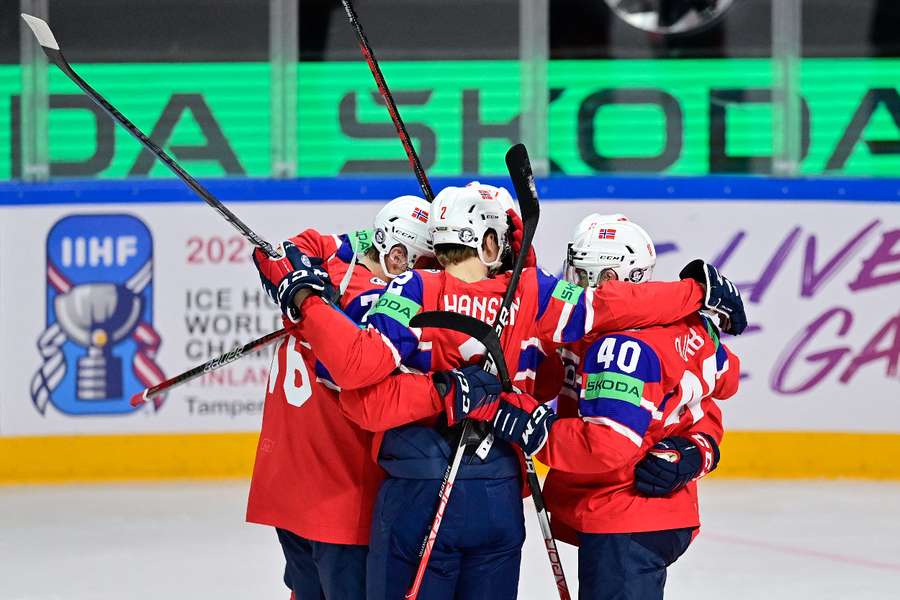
point(772, 540)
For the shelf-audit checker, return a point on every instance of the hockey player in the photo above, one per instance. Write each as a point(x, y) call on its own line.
point(314, 479)
point(477, 554)
point(623, 472)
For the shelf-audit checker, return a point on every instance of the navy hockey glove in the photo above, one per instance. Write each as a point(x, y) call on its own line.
point(673, 462)
point(283, 277)
point(467, 392)
point(521, 420)
point(722, 296)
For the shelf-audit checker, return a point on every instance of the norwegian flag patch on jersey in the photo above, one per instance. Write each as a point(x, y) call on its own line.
point(420, 214)
point(606, 234)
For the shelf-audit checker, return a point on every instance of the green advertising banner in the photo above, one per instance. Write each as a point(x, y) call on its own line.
point(634, 116)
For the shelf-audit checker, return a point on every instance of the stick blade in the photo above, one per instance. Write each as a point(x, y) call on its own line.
point(470, 326)
point(42, 32)
point(139, 399)
point(519, 166)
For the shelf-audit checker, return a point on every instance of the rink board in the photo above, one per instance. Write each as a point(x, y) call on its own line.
point(818, 262)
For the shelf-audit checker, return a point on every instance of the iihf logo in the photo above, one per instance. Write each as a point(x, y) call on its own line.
point(99, 346)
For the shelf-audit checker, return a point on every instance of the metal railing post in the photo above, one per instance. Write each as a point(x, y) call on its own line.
point(534, 53)
point(787, 121)
point(283, 57)
point(34, 103)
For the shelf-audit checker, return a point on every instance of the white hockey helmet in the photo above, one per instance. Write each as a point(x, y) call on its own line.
point(593, 218)
point(464, 215)
point(403, 221)
point(610, 242)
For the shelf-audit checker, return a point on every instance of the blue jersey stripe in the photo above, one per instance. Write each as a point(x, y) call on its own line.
point(530, 358)
point(546, 285)
point(574, 328)
point(647, 367)
point(401, 336)
point(633, 417)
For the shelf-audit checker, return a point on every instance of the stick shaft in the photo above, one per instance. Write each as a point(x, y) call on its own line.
point(57, 58)
point(207, 367)
point(534, 485)
point(530, 211)
point(369, 55)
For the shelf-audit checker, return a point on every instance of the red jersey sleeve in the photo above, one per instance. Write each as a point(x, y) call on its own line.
point(728, 377)
point(395, 401)
point(711, 423)
point(549, 378)
point(354, 357)
point(313, 243)
point(567, 313)
point(619, 305)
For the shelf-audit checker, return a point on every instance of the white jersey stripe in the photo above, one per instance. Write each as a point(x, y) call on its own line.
point(523, 375)
point(588, 298)
point(618, 428)
point(563, 321)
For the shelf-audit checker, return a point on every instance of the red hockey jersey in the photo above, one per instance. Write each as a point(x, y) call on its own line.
point(545, 311)
point(313, 473)
point(634, 389)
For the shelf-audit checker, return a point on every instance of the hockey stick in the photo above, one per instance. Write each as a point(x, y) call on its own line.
point(388, 100)
point(48, 42)
point(523, 180)
point(209, 366)
point(141, 397)
point(483, 333)
point(520, 170)
point(472, 327)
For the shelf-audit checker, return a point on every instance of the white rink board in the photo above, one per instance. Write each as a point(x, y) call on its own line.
point(837, 259)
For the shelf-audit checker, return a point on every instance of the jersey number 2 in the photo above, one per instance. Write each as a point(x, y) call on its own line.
point(297, 386)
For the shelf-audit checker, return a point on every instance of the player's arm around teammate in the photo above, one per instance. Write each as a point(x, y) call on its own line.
point(313, 477)
point(546, 309)
point(622, 483)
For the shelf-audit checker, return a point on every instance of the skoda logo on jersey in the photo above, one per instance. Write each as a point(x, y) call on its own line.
point(99, 346)
point(466, 235)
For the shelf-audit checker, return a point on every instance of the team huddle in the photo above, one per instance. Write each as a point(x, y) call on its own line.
point(616, 378)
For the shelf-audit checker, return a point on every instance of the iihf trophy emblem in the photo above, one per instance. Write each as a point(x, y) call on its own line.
point(99, 346)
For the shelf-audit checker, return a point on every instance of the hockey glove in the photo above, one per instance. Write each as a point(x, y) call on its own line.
point(516, 233)
point(469, 391)
point(673, 462)
point(521, 420)
point(722, 296)
point(283, 277)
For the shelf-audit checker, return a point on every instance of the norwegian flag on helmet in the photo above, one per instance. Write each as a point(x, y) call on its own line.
point(420, 214)
point(606, 234)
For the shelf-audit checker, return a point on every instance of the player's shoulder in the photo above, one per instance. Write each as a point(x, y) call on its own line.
point(353, 242)
point(547, 287)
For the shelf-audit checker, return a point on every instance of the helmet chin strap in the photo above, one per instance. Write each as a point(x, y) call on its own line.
point(387, 273)
point(501, 249)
